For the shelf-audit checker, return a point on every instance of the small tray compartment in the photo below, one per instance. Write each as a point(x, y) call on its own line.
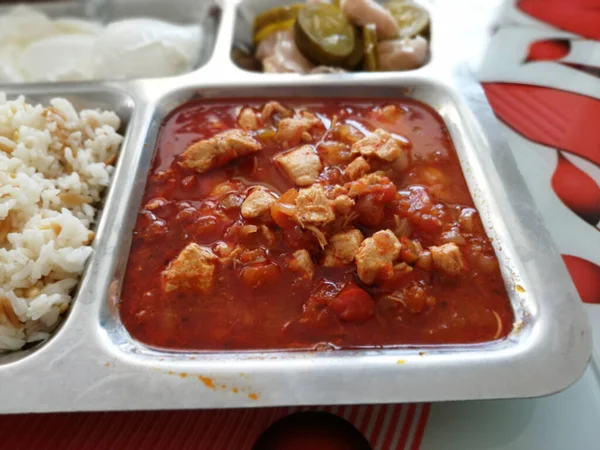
point(207, 14)
point(86, 98)
point(247, 10)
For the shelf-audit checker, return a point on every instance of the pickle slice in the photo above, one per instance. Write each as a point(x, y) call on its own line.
point(267, 31)
point(324, 35)
point(278, 14)
point(244, 58)
point(412, 19)
point(371, 58)
point(357, 54)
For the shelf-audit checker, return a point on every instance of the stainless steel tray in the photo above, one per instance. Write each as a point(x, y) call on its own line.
point(92, 363)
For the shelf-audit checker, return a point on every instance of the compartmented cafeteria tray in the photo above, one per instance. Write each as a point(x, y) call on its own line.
point(91, 362)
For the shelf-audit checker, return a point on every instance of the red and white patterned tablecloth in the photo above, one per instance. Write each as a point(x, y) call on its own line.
point(541, 73)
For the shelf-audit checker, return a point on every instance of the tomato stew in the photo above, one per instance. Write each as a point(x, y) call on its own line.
point(309, 224)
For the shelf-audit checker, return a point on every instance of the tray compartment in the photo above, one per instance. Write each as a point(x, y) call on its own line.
point(247, 10)
point(87, 98)
point(525, 254)
point(181, 12)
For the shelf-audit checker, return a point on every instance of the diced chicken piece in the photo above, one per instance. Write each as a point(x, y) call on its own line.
point(239, 255)
point(334, 152)
point(193, 269)
point(291, 129)
point(302, 165)
point(380, 144)
point(279, 54)
point(447, 259)
point(357, 168)
point(335, 190)
point(363, 12)
point(246, 230)
point(219, 150)
point(248, 120)
point(342, 248)
point(376, 255)
point(364, 183)
point(402, 54)
point(258, 203)
point(273, 107)
point(425, 261)
point(302, 264)
point(349, 134)
point(340, 200)
point(313, 207)
point(223, 249)
point(402, 162)
point(343, 204)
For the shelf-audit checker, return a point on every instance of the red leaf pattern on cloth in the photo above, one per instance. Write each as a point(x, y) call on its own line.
point(576, 16)
point(577, 190)
point(586, 276)
point(547, 116)
point(548, 50)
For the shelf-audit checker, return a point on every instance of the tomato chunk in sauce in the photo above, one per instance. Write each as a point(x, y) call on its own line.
point(303, 223)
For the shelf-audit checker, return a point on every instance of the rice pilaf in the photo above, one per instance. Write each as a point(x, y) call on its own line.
point(54, 166)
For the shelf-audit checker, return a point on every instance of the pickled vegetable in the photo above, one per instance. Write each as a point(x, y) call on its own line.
point(324, 35)
point(371, 58)
point(357, 54)
point(412, 19)
point(244, 58)
point(273, 15)
point(267, 31)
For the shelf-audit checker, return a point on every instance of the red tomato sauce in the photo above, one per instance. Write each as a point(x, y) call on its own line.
point(268, 306)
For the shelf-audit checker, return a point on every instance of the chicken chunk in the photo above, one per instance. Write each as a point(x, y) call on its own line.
point(219, 150)
point(291, 129)
point(248, 119)
point(363, 12)
point(193, 269)
point(402, 54)
point(357, 168)
point(343, 204)
point(302, 165)
point(273, 107)
point(342, 248)
point(334, 152)
point(230, 255)
point(279, 54)
point(365, 183)
point(302, 263)
point(380, 144)
point(375, 256)
point(447, 259)
point(257, 204)
point(313, 208)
